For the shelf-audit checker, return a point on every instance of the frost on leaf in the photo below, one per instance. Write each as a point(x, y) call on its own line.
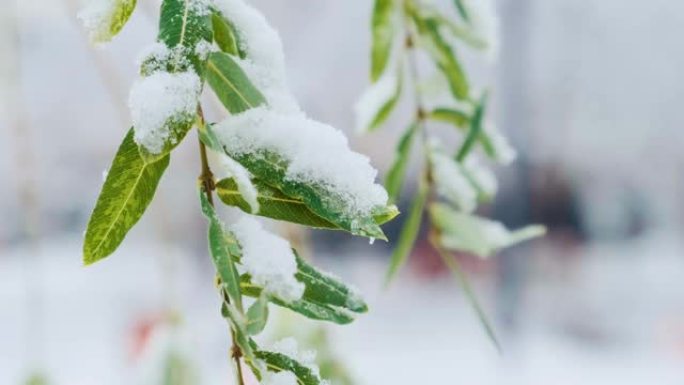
point(105, 18)
point(288, 346)
point(280, 378)
point(268, 259)
point(162, 103)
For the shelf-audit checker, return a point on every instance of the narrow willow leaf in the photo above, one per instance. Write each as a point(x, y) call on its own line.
point(326, 289)
point(103, 26)
point(475, 131)
point(383, 30)
point(231, 85)
point(461, 8)
point(388, 105)
point(476, 235)
point(462, 279)
point(278, 362)
point(397, 172)
point(276, 205)
point(126, 193)
point(239, 327)
point(224, 34)
point(305, 307)
point(184, 23)
point(257, 315)
point(409, 232)
point(442, 52)
point(463, 33)
point(452, 116)
point(224, 251)
point(462, 121)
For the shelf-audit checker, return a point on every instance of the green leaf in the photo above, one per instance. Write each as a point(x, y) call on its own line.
point(224, 251)
point(476, 235)
point(475, 131)
point(278, 362)
point(409, 232)
point(276, 205)
point(397, 172)
point(257, 315)
point(184, 23)
point(443, 54)
point(462, 9)
point(224, 34)
point(462, 279)
point(121, 11)
point(231, 85)
point(387, 107)
point(383, 30)
point(126, 193)
point(325, 289)
point(452, 116)
point(305, 307)
point(239, 327)
point(462, 121)
point(272, 204)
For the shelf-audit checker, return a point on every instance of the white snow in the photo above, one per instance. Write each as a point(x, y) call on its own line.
point(480, 175)
point(204, 48)
point(97, 17)
point(280, 378)
point(242, 178)
point(451, 182)
point(374, 98)
point(485, 22)
point(159, 101)
point(316, 153)
point(268, 259)
point(503, 152)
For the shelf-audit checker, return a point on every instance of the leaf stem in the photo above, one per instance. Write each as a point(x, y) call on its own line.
point(206, 177)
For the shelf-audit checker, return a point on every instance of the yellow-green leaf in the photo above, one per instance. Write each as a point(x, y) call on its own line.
point(128, 190)
point(383, 30)
point(231, 85)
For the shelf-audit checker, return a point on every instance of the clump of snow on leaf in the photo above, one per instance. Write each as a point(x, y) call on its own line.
point(503, 152)
point(451, 182)
point(373, 99)
point(268, 259)
point(316, 153)
point(288, 346)
point(160, 101)
point(243, 179)
point(480, 176)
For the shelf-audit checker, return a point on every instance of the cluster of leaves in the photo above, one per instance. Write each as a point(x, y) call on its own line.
point(402, 29)
point(135, 175)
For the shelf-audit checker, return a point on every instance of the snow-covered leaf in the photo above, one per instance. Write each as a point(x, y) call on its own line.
point(224, 250)
point(409, 232)
point(257, 315)
point(310, 309)
point(105, 18)
point(126, 193)
point(378, 101)
point(279, 362)
point(231, 85)
point(323, 288)
point(276, 205)
point(451, 181)
point(397, 172)
point(480, 236)
point(272, 169)
point(383, 30)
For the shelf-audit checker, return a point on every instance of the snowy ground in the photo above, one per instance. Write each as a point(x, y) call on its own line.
point(618, 317)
